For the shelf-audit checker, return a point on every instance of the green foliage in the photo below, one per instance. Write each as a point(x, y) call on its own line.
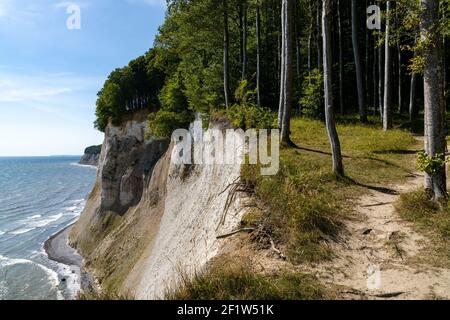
point(252, 117)
point(430, 164)
point(163, 123)
point(174, 113)
point(172, 97)
point(139, 82)
point(231, 281)
point(243, 95)
point(312, 95)
point(304, 204)
point(93, 149)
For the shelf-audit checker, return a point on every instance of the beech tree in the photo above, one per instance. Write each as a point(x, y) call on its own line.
point(333, 137)
point(358, 65)
point(435, 143)
point(226, 46)
point(387, 99)
point(286, 94)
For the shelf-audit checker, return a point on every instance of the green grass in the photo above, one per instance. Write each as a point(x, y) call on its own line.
point(231, 281)
point(303, 206)
point(430, 220)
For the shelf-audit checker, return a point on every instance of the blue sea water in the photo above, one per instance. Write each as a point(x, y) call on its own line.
point(38, 197)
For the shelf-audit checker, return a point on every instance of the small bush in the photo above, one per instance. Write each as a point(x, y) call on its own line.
point(251, 116)
point(312, 95)
point(163, 123)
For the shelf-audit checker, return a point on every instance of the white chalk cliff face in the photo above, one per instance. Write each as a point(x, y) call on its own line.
point(148, 220)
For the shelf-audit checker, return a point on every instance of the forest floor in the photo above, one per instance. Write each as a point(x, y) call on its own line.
point(377, 257)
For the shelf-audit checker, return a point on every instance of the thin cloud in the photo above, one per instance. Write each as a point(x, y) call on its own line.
point(154, 3)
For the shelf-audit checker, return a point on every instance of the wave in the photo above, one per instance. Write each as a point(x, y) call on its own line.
point(52, 275)
point(83, 165)
point(21, 231)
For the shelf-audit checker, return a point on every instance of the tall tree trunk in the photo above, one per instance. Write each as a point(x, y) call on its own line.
point(297, 42)
point(341, 59)
point(226, 45)
point(375, 77)
point(358, 65)
point(319, 35)
point(333, 137)
point(258, 54)
point(310, 35)
point(244, 39)
point(400, 79)
point(387, 104)
point(286, 70)
point(413, 108)
point(435, 143)
point(381, 77)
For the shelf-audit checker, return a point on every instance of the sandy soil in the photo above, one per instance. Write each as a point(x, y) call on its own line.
point(373, 260)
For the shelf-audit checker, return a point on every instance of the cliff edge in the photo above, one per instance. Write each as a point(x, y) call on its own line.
point(148, 221)
point(91, 156)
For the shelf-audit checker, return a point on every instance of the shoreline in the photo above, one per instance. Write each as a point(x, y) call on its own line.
point(58, 249)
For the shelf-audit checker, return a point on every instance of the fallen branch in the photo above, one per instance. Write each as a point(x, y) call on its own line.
point(234, 232)
point(282, 256)
point(388, 294)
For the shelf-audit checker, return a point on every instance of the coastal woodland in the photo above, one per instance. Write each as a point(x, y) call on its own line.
point(359, 91)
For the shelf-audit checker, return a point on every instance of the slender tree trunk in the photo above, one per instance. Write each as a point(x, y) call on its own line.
point(258, 55)
point(226, 45)
point(413, 108)
point(310, 42)
point(341, 59)
point(366, 63)
point(297, 42)
point(244, 39)
point(435, 143)
point(375, 77)
point(333, 137)
point(381, 78)
point(387, 104)
point(358, 65)
point(319, 34)
point(400, 79)
point(286, 70)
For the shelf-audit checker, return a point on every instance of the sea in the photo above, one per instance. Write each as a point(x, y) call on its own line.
point(39, 196)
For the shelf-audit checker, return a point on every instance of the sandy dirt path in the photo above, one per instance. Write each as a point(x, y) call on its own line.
point(373, 260)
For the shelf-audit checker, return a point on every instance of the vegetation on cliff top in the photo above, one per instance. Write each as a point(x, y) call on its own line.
point(93, 150)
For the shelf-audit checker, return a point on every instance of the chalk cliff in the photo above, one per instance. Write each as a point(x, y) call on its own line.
point(148, 220)
point(91, 156)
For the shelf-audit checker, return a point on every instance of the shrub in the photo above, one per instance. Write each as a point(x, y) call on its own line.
point(312, 95)
point(163, 123)
point(251, 116)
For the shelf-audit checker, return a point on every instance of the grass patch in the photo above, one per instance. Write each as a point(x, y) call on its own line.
point(429, 219)
point(107, 296)
point(304, 204)
point(231, 281)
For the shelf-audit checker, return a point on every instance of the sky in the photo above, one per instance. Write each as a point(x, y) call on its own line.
point(51, 70)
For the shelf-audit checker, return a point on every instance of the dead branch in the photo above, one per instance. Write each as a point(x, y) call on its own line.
point(226, 235)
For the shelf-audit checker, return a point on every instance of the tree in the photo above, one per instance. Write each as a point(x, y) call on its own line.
point(435, 144)
point(258, 54)
point(387, 99)
point(358, 65)
point(226, 45)
point(341, 59)
point(286, 94)
point(338, 168)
